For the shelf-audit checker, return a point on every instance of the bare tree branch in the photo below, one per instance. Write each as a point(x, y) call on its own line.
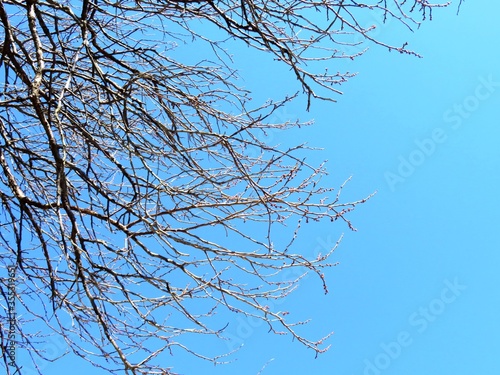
point(131, 199)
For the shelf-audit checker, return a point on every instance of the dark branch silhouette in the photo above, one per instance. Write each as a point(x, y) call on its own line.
point(137, 197)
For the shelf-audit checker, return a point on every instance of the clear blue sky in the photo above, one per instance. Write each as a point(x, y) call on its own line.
point(415, 291)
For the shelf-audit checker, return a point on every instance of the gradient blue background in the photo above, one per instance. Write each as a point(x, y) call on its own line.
point(440, 225)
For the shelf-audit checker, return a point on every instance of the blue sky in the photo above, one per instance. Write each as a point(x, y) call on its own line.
point(421, 269)
point(415, 290)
